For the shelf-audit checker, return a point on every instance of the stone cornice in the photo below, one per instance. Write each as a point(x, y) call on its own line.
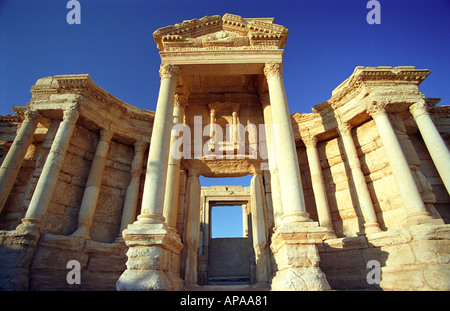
point(97, 107)
point(381, 76)
point(233, 31)
point(11, 118)
point(83, 85)
point(440, 110)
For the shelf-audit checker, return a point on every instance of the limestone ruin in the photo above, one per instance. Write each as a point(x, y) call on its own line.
point(364, 177)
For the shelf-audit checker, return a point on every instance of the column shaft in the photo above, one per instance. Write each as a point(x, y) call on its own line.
point(93, 184)
point(156, 175)
point(435, 144)
point(131, 197)
point(50, 172)
point(320, 194)
point(193, 191)
point(291, 187)
point(173, 170)
point(400, 169)
point(272, 159)
point(259, 230)
point(362, 192)
point(16, 154)
point(244, 221)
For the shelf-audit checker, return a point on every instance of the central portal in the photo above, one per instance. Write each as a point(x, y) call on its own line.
point(226, 254)
point(231, 257)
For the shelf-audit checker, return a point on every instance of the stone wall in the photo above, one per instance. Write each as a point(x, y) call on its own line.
point(409, 259)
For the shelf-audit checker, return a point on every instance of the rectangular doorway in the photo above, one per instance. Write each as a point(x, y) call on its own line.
point(230, 247)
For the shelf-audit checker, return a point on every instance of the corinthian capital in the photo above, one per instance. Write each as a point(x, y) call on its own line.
point(106, 135)
point(71, 115)
point(309, 141)
point(376, 109)
point(168, 71)
point(344, 127)
point(32, 115)
point(273, 69)
point(180, 100)
point(140, 146)
point(418, 109)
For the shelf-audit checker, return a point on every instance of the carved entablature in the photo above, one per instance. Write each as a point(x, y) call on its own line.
point(222, 33)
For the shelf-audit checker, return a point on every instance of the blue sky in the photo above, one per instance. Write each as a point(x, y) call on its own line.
point(114, 44)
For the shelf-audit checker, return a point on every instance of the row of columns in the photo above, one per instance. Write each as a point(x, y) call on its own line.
point(409, 192)
point(48, 178)
point(158, 205)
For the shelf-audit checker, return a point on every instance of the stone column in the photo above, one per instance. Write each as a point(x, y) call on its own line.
point(244, 221)
point(158, 158)
point(259, 231)
point(131, 197)
point(272, 159)
point(16, 154)
point(415, 208)
point(364, 200)
point(50, 172)
point(192, 232)
point(287, 164)
point(235, 128)
point(320, 194)
point(295, 238)
point(154, 249)
point(93, 184)
point(435, 144)
point(173, 170)
point(212, 117)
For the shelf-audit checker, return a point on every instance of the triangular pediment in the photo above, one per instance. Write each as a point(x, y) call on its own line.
point(227, 32)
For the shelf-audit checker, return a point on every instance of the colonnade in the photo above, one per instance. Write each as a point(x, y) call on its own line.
point(160, 206)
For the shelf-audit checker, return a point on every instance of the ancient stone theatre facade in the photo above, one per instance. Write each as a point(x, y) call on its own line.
point(362, 180)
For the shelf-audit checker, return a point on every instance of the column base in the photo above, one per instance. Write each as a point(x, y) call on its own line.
point(153, 259)
point(81, 232)
point(419, 219)
point(297, 257)
point(329, 235)
point(370, 228)
point(29, 224)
